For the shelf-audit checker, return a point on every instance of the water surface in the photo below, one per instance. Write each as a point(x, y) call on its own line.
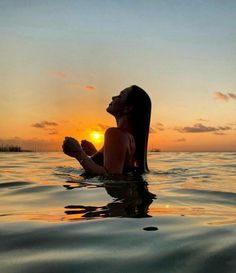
point(180, 217)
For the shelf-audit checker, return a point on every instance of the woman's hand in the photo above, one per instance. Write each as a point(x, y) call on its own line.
point(71, 147)
point(88, 147)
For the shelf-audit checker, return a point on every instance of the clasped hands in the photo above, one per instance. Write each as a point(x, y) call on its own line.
point(72, 147)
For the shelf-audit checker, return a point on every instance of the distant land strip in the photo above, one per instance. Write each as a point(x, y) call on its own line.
point(10, 148)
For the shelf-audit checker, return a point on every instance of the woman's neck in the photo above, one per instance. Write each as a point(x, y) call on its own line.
point(124, 124)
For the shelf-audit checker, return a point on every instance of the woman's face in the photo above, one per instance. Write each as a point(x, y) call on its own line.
point(118, 104)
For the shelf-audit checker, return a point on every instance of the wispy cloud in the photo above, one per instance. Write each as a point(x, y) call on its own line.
point(89, 87)
point(158, 126)
point(44, 124)
point(232, 96)
point(60, 75)
point(200, 128)
point(223, 96)
point(78, 86)
point(48, 126)
point(220, 133)
point(220, 96)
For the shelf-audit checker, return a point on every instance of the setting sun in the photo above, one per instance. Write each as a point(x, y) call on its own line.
point(96, 137)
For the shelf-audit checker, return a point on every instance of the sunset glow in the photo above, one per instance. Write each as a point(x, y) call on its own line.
point(61, 63)
point(96, 137)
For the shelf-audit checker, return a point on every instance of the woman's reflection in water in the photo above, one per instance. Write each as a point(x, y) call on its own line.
point(131, 199)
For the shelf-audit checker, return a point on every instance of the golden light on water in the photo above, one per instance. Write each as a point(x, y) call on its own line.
point(96, 137)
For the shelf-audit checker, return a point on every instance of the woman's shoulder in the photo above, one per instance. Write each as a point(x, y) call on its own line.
point(116, 133)
point(112, 130)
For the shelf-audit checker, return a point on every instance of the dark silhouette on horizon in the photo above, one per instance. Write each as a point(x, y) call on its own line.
point(12, 148)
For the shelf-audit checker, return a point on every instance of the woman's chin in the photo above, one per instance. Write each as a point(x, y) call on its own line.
point(108, 109)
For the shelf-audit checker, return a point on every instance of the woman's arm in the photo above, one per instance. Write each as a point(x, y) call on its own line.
point(90, 150)
point(72, 148)
point(90, 165)
point(115, 147)
point(98, 157)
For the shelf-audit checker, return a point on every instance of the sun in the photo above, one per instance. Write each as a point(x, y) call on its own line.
point(96, 136)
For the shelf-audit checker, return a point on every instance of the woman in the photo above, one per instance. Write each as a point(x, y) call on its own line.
point(125, 146)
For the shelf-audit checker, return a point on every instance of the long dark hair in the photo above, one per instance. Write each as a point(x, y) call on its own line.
point(140, 122)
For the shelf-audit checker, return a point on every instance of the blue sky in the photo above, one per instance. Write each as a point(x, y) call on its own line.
point(181, 52)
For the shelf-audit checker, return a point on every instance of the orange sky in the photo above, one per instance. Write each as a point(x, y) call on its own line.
point(62, 63)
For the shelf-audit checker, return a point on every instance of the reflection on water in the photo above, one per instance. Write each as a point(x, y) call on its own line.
point(189, 199)
point(130, 199)
point(50, 187)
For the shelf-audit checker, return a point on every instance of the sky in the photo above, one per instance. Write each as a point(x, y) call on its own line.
point(62, 61)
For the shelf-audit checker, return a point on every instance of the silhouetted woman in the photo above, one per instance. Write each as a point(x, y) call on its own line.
point(125, 146)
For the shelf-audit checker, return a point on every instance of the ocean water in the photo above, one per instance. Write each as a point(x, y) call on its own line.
point(180, 217)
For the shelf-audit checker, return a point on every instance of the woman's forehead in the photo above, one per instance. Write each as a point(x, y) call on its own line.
point(125, 91)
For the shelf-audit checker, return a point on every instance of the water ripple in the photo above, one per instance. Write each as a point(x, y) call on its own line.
point(54, 219)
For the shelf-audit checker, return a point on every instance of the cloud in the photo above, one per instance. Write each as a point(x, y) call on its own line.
point(90, 88)
point(220, 133)
point(60, 75)
point(158, 126)
point(48, 126)
point(224, 97)
point(221, 96)
point(78, 86)
point(200, 128)
point(223, 128)
point(232, 96)
point(44, 124)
